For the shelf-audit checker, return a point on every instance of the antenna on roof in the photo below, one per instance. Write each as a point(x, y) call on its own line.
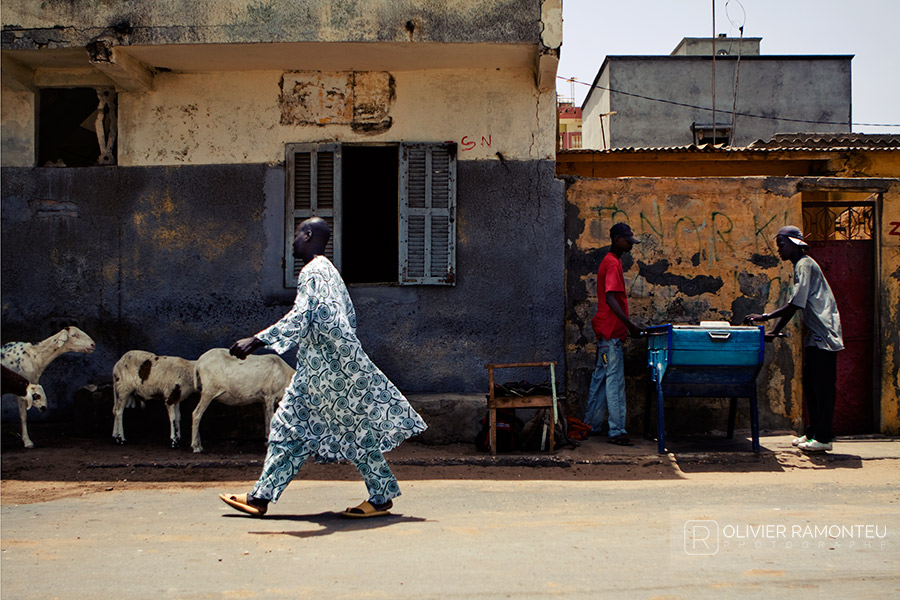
point(714, 72)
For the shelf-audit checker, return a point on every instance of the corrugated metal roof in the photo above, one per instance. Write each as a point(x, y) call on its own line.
point(795, 142)
point(829, 141)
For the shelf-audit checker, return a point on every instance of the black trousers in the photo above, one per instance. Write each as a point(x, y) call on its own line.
point(819, 379)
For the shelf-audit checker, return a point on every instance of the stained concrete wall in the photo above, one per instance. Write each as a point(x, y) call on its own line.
point(225, 118)
point(223, 80)
point(17, 136)
point(30, 25)
point(170, 260)
point(814, 91)
point(889, 307)
point(238, 117)
point(172, 250)
point(708, 253)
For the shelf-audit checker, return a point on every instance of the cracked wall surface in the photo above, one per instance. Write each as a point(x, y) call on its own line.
point(246, 117)
point(707, 253)
point(29, 25)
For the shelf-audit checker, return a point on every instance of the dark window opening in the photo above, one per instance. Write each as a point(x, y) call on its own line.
point(67, 127)
point(370, 214)
point(707, 134)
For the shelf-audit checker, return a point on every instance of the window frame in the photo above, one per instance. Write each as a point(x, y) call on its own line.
point(439, 164)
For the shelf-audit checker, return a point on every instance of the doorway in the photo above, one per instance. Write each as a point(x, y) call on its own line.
point(840, 228)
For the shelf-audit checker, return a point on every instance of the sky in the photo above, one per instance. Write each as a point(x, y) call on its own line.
point(867, 29)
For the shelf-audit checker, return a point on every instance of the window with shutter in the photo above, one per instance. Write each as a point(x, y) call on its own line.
point(313, 190)
point(370, 194)
point(428, 214)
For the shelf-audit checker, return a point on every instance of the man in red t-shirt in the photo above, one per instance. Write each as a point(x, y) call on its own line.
point(611, 326)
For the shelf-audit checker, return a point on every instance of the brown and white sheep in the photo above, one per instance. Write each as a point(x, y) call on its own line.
point(13, 383)
point(30, 360)
point(234, 382)
point(151, 377)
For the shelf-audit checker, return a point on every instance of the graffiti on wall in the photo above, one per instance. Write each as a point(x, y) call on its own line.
point(693, 254)
point(895, 228)
point(467, 143)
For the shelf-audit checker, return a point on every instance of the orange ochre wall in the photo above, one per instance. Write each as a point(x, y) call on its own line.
point(708, 253)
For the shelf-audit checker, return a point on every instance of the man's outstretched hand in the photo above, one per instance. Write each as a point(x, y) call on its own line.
point(242, 348)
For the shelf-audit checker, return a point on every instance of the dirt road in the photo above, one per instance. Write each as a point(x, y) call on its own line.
point(86, 519)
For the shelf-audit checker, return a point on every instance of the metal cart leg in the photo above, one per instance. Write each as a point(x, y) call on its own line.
point(754, 422)
point(660, 418)
point(732, 415)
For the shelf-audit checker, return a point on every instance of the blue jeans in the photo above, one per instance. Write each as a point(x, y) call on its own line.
point(607, 392)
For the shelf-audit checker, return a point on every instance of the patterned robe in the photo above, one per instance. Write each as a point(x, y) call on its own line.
point(339, 403)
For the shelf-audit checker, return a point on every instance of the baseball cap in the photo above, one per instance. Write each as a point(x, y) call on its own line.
point(623, 230)
point(792, 233)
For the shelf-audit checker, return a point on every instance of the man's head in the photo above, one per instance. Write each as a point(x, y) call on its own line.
point(791, 246)
point(622, 238)
point(311, 237)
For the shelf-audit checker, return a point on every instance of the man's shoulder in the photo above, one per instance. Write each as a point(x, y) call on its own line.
point(318, 266)
point(807, 264)
point(609, 259)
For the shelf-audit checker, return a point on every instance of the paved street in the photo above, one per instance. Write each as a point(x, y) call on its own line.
point(630, 525)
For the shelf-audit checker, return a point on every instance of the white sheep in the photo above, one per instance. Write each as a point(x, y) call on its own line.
point(151, 377)
point(220, 376)
point(30, 360)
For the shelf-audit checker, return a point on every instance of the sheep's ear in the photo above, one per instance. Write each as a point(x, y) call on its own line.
point(28, 400)
point(62, 337)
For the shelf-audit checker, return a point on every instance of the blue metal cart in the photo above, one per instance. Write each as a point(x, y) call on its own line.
point(706, 361)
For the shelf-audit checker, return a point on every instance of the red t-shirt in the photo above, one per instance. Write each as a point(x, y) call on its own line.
point(610, 278)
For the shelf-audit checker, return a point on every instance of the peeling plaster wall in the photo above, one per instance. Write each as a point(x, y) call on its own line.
point(890, 312)
point(151, 22)
point(226, 118)
point(169, 251)
point(707, 254)
point(170, 260)
point(16, 129)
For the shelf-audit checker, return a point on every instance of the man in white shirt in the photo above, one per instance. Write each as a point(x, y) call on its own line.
point(822, 338)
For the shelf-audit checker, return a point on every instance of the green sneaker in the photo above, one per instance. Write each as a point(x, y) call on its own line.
point(814, 446)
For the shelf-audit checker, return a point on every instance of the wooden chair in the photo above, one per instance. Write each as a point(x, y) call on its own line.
point(494, 402)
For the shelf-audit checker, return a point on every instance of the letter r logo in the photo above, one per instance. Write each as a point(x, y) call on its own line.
point(701, 538)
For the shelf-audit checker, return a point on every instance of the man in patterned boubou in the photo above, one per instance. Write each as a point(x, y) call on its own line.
point(339, 405)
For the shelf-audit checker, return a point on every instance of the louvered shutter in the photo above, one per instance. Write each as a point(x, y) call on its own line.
point(313, 190)
point(428, 214)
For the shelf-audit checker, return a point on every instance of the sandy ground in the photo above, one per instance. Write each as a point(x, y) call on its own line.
point(66, 465)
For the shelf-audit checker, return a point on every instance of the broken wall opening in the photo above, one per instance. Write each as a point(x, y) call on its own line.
point(76, 127)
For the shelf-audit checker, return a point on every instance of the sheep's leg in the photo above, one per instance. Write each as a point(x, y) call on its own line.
point(205, 399)
point(119, 401)
point(174, 423)
point(23, 416)
point(269, 406)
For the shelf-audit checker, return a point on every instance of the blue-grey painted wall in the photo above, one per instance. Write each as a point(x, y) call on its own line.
point(177, 260)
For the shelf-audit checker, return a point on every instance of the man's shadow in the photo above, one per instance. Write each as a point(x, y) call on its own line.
point(332, 522)
point(834, 461)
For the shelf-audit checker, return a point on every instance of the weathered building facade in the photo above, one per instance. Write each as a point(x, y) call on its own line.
point(707, 218)
point(663, 101)
point(157, 154)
